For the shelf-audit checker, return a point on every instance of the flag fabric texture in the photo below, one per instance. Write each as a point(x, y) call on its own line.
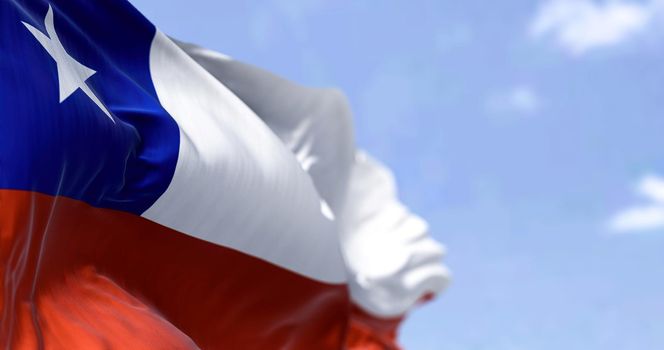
point(158, 195)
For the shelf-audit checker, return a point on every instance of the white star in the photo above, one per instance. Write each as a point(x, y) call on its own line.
point(71, 74)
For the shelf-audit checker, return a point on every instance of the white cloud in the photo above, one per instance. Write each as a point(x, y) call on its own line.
point(521, 99)
point(579, 26)
point(652, 187)
point(645, 217)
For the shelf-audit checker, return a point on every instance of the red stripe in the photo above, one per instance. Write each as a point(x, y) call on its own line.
point(368, 332)
point(86, 278)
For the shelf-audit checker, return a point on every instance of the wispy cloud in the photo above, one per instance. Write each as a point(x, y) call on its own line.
point(520, 99)
point(579, 26)
point(644, 217)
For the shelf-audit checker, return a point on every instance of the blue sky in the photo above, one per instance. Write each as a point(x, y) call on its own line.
point(528, 133)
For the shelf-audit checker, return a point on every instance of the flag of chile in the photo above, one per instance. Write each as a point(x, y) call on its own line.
point(142, 204)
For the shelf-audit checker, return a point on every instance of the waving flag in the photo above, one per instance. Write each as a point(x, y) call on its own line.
point(392, 262)
point(149, 201)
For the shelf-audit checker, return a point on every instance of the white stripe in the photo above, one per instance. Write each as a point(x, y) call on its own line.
point(393, 261)
point(235, 183)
